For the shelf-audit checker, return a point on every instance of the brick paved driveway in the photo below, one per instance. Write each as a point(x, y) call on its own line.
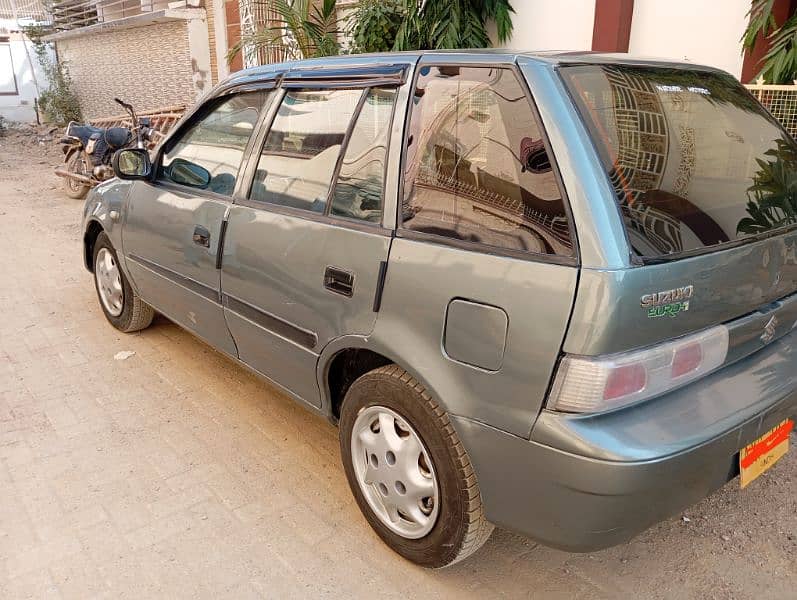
point(175, 473)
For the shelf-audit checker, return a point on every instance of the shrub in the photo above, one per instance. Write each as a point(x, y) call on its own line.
point(374, 25)
point(58, 102)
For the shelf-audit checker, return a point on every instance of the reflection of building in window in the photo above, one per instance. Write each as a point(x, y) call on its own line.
point(686, 166)
point(466, 175)
point(640, 127)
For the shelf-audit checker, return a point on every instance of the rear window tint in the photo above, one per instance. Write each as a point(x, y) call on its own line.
point(477, 168)
point(694, 159)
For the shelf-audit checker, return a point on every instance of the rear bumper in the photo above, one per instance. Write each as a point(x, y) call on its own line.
point(585, 483)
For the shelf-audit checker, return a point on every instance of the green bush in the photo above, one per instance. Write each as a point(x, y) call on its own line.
point(58, 102)
point(374, 25)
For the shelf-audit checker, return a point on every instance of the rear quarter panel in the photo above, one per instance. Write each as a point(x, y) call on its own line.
point(423, 278)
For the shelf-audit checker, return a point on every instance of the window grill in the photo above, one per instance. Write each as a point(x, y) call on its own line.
point(781, 101)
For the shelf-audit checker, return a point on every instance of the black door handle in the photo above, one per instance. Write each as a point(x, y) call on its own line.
point(201, 236)
point(339, 281)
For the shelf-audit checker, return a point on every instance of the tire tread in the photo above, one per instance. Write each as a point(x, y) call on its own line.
point(479, 528)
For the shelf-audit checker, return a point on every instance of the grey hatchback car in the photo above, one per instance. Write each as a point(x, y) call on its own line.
point(552, 292)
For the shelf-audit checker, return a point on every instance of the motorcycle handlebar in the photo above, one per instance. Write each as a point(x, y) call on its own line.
point(123, 104)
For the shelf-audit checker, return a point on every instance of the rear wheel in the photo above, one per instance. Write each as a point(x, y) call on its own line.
point(408, 471)
point(123, 308)
point(78, 164)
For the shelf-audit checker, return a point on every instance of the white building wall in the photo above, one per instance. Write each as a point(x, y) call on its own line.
point(552, 25)
point(20, 106)
point(700, 31)
point(695, 30)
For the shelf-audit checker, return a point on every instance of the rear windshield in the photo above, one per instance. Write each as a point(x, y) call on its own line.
point(695, 161)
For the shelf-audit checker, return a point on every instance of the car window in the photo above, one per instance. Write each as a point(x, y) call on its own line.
point(302, 148)
point(215, 143)
point(477, 169)
point(695, 161)
point(359, 189)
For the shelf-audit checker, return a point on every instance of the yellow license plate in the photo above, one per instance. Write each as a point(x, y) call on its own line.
point(764, 452)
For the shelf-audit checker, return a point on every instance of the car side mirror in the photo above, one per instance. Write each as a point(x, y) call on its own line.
point(187, 173)
point(131, 163)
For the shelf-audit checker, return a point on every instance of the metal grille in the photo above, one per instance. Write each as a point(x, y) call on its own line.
point(72, 14)
point(22, 9)
point(259, 15)
point(781, 101)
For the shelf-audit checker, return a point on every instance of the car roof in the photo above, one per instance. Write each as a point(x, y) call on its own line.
point(550, 57)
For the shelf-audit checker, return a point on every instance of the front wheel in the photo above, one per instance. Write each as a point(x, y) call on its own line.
point(123, 308)
point(78, 164)
point(408, 471)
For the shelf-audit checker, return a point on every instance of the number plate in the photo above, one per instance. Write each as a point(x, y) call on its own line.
point(764, 452)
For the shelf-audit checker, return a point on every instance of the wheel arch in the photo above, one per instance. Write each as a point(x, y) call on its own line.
point(92, 231)
point(345, 359)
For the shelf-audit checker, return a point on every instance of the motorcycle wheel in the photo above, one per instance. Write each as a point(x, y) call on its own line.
point(79, 165)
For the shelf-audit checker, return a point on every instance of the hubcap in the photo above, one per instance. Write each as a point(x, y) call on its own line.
point(109, 282)
point(395, 472)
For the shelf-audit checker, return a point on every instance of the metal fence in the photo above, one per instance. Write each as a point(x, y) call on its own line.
point(162, 119)
point(72, 14)
point(32, 10)
point(781, 101)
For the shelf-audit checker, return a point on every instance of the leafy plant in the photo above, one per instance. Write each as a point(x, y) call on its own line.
point(58, 102)
point(307, 29)
point(3, 126)
point(772, 199)
point(779, 64)
point(375, 23)
point(447, 24)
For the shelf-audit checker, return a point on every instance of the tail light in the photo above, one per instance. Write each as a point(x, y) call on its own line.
point(595, 384)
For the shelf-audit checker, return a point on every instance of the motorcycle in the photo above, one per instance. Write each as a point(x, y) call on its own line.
point(88, 150)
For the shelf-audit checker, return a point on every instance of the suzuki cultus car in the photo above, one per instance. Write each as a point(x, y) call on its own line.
point(554, 293)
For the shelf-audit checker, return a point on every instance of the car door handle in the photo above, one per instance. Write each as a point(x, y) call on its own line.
point(339, 281)
point(201, 236)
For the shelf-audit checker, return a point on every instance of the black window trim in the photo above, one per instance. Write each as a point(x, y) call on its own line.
point(388, 75)
point(197, 115)
point(344, 149)
point(402, 232)
point(265, 124)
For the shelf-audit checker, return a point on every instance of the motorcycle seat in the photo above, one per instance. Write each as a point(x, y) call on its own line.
point(83, 132)
point(115, 137)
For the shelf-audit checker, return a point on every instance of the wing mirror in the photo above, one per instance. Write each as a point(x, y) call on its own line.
point(131, 163)
point(187, 173)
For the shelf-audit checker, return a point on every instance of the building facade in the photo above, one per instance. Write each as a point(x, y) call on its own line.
point(700, 31)
point(21, 76)
point(157, 53)
point(150, 53)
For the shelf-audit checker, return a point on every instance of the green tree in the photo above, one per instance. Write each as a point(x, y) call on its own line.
point(307, 29)
point(779, 64)
point(374, 24)
point(449, 24)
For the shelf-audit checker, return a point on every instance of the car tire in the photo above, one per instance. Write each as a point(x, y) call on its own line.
point(123, 308)
point(389, 395)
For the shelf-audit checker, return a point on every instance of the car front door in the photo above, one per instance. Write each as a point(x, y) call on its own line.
point(173, 225)
point(304, 254)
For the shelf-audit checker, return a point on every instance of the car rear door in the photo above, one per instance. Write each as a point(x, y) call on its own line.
point(484, 267)
point(304, 252)
point(172, 229)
